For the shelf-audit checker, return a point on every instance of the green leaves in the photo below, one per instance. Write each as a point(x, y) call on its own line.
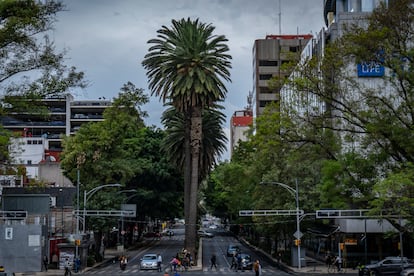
point(180, 62)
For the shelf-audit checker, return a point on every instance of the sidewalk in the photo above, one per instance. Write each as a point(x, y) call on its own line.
point(313, 266)
point(110, 255)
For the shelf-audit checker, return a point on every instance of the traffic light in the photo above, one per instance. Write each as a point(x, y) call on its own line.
point(297, 242)
point(77, 242)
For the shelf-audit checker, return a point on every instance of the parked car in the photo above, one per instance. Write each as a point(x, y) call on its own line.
point(205, 234)
point(148, 261)
point(407, 272)
point(232, 249)
point(213, 226)
point(246, 262)
point(388, 266)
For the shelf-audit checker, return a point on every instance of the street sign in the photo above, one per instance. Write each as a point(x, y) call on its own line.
point(298, 235)
point(332, 213)
point(250, 213)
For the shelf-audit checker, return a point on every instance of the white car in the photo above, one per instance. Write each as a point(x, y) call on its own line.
point(213, 226)
point(148, 261)
point(205, 234)
point(407, 272)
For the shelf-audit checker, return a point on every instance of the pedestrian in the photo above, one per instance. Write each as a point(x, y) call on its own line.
point(328, 260)
point(234, 261)
point(45, 262)
point(159, 262)
point(360, 269)
point(279, 259)
point(239, 262)
point(257, 268)
point(213, 261)
point(174, 262)
point(68, 267)
point(338, 263)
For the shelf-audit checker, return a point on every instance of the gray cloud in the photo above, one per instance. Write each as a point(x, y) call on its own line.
point(108, 39)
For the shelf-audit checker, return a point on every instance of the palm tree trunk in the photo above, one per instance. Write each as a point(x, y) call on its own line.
point(196, 124)
point(187, 175)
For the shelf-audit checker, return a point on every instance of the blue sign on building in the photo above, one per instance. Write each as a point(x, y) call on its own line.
point(370, 69)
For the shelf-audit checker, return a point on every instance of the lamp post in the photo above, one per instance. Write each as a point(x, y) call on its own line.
point(122, 214)
point(77, 214)
point(295, 193)
point(62, 203)
point(90, 193)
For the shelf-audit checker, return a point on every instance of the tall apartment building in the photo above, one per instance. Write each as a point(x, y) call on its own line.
point(270, 57)
point(40, 137)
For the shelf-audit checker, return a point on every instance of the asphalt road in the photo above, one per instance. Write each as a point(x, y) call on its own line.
point(168, 247)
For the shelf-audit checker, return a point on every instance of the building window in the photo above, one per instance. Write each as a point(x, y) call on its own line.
point(265, 90)
point(293, 49)
point(264, 103)
point(268, 63)
point(265, 76)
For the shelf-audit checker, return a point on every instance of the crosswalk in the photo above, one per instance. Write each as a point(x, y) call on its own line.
point(134, 270)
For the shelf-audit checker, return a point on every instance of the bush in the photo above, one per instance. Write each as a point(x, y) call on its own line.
point(91, 260)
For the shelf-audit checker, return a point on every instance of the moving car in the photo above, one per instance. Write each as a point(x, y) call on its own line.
point(168, 232)
point(232, 249)
point(407, 272)
point(246, 262)
point(205, 234)
point(388, 266)
point(148, 261)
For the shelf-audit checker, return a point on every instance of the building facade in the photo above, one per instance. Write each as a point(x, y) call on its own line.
point(271, 59)
point(241, 122)
point(356, 238)
point(39, 137)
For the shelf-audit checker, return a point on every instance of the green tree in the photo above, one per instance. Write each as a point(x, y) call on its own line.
point(186, 66)
point(370, 124)
point(121, 149)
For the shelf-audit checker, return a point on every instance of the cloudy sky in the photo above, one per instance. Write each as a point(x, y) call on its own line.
point(107, 39)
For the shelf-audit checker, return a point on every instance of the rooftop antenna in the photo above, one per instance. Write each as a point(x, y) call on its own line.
point(280, 17)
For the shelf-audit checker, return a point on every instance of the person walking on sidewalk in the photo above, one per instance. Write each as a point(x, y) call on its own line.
point(68, 267)
point(257, 268)
point(45, 262)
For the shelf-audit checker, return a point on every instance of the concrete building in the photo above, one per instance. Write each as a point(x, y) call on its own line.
point(40, 137)
point(354, 233)
point(241, 122)
point(271, 57)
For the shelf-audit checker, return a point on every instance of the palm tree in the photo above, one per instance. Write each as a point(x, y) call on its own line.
point(213, 138)
point(186, 65)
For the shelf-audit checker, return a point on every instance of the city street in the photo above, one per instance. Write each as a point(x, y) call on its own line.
point(169, 246)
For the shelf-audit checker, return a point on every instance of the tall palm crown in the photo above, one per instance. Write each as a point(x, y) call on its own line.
point(187, 63)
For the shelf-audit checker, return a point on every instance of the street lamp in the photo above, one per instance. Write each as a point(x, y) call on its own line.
point(295, 193)
point(90, 193)
point(122, 213)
